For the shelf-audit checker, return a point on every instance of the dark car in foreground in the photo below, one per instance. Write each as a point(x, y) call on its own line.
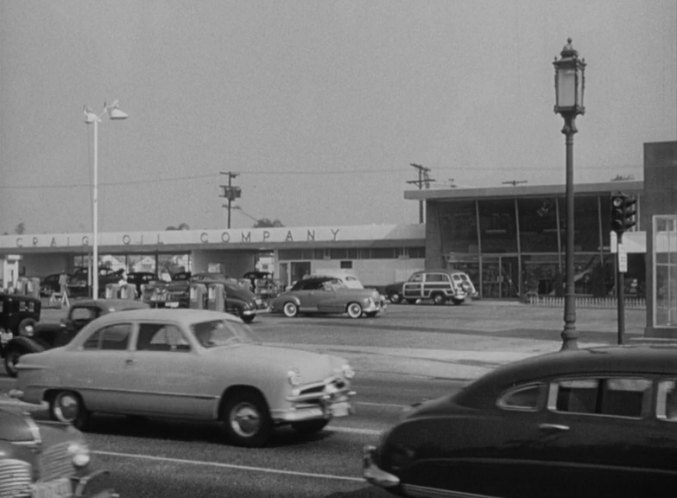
point(36, 337)
point(599, 422)
point(46, 459)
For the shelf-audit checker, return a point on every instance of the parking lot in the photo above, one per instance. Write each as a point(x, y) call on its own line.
point(460, 342)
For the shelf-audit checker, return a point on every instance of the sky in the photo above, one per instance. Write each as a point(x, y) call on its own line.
point(319, 106)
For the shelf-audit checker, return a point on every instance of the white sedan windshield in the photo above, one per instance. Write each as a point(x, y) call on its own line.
point(221, 333)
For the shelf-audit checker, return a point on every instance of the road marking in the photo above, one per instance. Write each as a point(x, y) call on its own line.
point(230, 466)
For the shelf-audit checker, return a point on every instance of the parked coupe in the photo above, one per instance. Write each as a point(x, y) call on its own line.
point(78, 283)
point(191, 364)
point(236, 299)
point(36, 337)
point(327, 295)
point(46, 459)
point(598, 422)
point(50, 284)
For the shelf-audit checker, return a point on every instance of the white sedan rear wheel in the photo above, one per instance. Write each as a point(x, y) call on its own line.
point(67, 406)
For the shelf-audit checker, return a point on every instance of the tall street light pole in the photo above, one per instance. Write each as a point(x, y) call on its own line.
point(569, 89)
point(113, 112)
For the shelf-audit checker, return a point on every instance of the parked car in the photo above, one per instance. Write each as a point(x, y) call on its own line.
point(36, 337)
point(348, 279)
point(46, 459)
point(16, 314)
point(599, 422)
point(238, 300)
point(50, 284)
point(181, 275)
point(140, 278)
point(78, 283)
point(440, 286)
point(393, 292)
point(327, 295)
point(187, 363)
point(262, 284)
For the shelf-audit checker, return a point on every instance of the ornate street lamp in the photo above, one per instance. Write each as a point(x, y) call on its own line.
point(114, 112)
point(569, 88)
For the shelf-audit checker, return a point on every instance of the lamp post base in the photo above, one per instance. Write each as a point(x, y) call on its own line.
point(569, 337)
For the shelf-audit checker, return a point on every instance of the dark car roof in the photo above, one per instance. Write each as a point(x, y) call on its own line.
point(640, 359)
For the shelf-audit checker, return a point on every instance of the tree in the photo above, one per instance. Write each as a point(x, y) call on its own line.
point(267, 223)
point(20, 228)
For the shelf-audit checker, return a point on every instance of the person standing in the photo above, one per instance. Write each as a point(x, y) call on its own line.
point(63, 289)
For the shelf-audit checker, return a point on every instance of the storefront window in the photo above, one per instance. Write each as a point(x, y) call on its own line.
point(458, 227)
point(497, 226)
point(538, 225)
point(665, 271)
point(586, 223)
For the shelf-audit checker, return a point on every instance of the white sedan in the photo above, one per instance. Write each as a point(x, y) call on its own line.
point(191, 364)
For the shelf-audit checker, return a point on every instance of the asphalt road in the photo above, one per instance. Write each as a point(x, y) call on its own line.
point(408, 354)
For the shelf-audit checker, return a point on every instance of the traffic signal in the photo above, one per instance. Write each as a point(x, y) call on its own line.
point(623, 212)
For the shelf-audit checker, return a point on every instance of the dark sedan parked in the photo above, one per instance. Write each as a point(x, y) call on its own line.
point(237, 299)
point(36, 337)
point(598, 422)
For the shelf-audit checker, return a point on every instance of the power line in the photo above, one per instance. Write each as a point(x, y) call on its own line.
point(423, 179)
point(289, 173)
point(230, 192)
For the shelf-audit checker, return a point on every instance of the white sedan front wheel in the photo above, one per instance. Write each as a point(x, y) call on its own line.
point(290, 309)
point(354, 310)
point(247, 420)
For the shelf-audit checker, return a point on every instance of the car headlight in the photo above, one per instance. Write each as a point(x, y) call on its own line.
point(28, 331)
point(79, 452)
point(294, 377)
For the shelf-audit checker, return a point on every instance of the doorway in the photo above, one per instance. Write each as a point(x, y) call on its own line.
point(500, 277)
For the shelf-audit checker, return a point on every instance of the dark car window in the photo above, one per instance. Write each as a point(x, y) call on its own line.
point(621, 397)
point(666, 402)
point(114, 337)
point(160, 337)
point(416, 278)
point(524, 398)
point(436, 277)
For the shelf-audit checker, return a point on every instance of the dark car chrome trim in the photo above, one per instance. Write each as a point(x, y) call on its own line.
point(423, 491)
point(373, 473)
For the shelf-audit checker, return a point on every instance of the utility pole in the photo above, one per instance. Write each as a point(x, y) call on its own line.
point(423, 179)
point(230, 192)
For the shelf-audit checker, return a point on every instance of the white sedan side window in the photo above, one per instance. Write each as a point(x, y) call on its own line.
point(113, 337)
point(160, 337)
